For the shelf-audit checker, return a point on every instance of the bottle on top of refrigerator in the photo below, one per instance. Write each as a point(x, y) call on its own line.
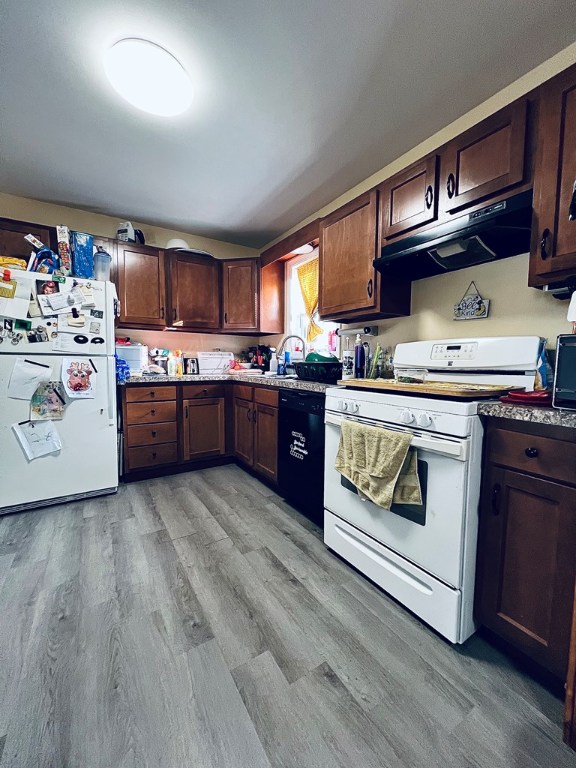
point(359, 358)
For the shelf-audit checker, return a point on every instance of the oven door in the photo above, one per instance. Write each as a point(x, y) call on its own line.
point(431, 536)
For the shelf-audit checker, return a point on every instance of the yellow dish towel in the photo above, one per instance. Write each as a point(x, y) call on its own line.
point(379, 463)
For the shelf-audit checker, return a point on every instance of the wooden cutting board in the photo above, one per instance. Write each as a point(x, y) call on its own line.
point(438, 388)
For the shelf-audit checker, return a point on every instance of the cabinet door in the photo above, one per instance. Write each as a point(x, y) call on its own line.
point(554, 235)
point(409, 198)
point(243, 431)
point(240, 295)
point(203, 431)
point(12, 241)
point(266, 440)
point(485, 160)
point(141, 285)
point(194, 291)
point(348, 281)
point(527, 564)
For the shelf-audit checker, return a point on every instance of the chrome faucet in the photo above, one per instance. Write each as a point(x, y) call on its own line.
point(283, 344)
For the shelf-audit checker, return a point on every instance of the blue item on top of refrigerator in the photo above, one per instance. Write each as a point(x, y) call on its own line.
point(46, 261)
point(82, 247)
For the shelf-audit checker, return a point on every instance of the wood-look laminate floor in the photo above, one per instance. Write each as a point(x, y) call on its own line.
point(198, 621)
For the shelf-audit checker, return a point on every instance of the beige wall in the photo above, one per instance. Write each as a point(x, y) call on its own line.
point(12, 207)
point(515, 309)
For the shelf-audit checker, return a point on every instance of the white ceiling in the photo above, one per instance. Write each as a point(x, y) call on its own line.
point(296, 100)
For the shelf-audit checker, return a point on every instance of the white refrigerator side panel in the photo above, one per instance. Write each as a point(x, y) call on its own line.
point(87, 463)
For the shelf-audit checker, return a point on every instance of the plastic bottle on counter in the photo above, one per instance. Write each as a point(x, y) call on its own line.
point(359, 358)
point(171, 364)
point(179, 362)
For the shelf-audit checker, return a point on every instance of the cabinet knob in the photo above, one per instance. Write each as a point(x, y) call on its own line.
point(225, 317)
point(532, 453)
point(248, 412)
point(153, 454)
point(153, 433)
point(544, 244)
point(429, 197)
point(162, 312)
point(152, 394)
point(451, 185)
point(153, 411)
point(370, 288)
point(254, 415)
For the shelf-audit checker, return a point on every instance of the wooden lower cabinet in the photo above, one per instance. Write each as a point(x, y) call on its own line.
point(527, 548)
point(256, 429)
point(150, 427)
point(266, 441)
point(203, 428)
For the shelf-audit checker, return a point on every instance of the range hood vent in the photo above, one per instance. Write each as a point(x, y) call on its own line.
point(495, 232)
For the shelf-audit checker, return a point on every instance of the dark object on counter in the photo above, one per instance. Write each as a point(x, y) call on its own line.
point(301, 452)
point(564, 389)
point(328, 373)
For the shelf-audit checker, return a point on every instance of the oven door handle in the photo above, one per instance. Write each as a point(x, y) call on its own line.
point(456, 449)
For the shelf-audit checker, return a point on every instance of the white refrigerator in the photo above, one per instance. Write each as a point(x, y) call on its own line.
point(86, 463)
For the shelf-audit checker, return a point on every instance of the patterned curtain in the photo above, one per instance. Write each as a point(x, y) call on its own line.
point(308, 279)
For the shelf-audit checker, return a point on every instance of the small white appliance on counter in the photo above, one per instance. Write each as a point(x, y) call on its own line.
point(424, 555)
point(214, 363)
point(136, 355)
point(86, 464)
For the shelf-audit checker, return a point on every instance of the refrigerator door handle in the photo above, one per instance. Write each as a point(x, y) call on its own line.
point(111, 393)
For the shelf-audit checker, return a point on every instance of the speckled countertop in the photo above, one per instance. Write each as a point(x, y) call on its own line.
point(265, 381)
point(528, 413)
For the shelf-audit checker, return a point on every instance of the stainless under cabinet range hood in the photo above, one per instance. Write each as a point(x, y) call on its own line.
point(495, 232)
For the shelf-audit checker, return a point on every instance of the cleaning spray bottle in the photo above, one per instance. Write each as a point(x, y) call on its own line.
point(359, 358)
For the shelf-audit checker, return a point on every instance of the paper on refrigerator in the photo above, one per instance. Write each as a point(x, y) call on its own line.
point(37, 438)
point(79, 377)
point(15, 297)
point(25, 378)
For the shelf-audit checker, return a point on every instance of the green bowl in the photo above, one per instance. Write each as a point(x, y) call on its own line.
point(316, 357)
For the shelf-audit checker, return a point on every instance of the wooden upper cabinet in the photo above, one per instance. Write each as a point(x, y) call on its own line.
point(194, 291)
point(347, 250)
point(272, 297)
point(553, 252)
point(410, 198)
point(141, 285)
point(485, 160)
point(12, 241)
point(240, 295)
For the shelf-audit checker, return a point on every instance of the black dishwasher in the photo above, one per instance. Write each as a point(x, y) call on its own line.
point(301, 452)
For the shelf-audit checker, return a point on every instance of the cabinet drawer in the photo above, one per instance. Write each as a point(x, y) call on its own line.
point(149, 394)
point(266, 396)
point(144, 434)
point(152, 456)
point(191, 391)
point(148, 413)
point(553, 459)
point(243, 391)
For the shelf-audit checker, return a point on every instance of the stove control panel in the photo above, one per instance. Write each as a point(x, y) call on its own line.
point(464, 351)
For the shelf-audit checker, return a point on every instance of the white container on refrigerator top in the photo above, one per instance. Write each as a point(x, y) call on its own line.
point(87, 463)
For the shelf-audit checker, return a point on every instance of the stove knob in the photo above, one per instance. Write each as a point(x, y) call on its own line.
point(424, 420)
point(406, 417)
point(353, 407)
point(342, 405)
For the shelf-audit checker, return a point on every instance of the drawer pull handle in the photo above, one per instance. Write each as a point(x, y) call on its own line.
point(429, 197)
point(496, 498)
point(369, 288)
point(248, 414)
point(152, 394)
point(254, 416)
point(451, 186)
point(153, 433)
point(153, 454)
point(532, 453)
point(153, 411)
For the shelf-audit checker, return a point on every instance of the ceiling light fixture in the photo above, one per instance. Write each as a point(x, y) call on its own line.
point(148, 77)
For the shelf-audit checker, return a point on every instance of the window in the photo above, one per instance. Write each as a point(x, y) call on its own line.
point(297, 319)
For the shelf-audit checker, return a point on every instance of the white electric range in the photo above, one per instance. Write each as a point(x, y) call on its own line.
point(424, 555)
